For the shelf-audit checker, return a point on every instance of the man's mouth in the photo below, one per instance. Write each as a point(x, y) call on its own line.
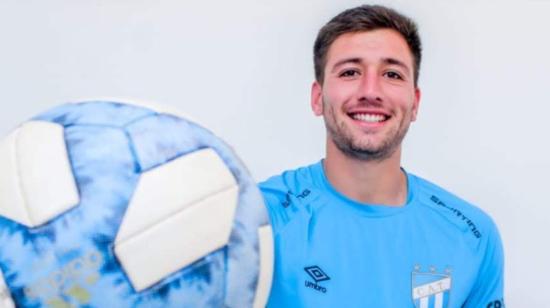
point(369, 117)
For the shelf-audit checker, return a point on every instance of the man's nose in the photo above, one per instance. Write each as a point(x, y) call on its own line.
point(370, 88)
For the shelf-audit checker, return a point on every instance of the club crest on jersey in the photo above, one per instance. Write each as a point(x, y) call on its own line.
point(430, 289)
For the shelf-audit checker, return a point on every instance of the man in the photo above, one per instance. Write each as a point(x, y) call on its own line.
point(355, 229)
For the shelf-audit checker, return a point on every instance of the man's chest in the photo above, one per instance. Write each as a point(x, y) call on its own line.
point(335, 261)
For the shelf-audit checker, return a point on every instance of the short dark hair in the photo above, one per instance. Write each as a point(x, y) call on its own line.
point(366, 18)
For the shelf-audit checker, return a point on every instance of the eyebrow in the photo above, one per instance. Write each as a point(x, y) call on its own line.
point(393, 61)
point(345, 61)
point(390, 61)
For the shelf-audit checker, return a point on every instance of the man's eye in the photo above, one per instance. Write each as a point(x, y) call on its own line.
point(349, 73)
point(393, 75)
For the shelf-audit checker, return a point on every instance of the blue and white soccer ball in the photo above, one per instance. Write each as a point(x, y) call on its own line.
point(104, 204)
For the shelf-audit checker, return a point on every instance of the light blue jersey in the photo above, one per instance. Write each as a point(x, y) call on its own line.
point(437, 251)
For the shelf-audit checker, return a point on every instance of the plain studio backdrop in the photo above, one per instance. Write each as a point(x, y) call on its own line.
point(244, 70)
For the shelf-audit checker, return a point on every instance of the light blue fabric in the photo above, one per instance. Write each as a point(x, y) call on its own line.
point(70, 260)
point(334, 252)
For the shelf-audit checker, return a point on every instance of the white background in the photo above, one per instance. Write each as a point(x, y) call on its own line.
point(244, 69)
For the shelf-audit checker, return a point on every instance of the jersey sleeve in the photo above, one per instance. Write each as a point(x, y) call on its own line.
point(283, 202)
point(488, 291)
point(275, 201)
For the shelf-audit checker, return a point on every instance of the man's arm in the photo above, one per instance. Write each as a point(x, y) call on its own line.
point(488, 291)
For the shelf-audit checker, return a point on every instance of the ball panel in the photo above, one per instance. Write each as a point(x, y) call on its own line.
point(158, 139)
point(243, 256)
point(31, 158)
point(45, 173)
point(106, 176)
point(171, 187)
point(265, 234)
point(95, 113)
point(5, 298)
point(179, 240)
point(165, 109)
point(12, 203)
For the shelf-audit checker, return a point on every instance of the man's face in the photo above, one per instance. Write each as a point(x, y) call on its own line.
point(368, 97)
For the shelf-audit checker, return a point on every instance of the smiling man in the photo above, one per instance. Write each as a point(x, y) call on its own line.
point(356, 229)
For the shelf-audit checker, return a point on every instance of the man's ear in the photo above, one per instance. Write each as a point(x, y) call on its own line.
point(416, 103)
point(317, 98)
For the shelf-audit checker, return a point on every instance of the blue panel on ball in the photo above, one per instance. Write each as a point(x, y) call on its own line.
point(159, 139)
point(94, 113)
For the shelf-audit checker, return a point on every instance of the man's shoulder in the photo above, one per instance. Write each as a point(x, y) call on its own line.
point(479, 230)
point(464, 214)
point(290, 180)
point(287, 194)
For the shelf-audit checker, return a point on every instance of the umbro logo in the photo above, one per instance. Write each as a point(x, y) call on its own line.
point(317, 274)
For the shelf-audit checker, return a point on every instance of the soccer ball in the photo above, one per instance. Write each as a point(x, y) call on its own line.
point(104, 204)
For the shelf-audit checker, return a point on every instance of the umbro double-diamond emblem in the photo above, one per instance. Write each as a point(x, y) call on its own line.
point(318, 275)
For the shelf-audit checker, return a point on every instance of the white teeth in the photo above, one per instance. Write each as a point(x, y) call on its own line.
point(372, 118)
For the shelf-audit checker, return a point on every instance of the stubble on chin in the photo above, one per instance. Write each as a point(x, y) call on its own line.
point(362, 148)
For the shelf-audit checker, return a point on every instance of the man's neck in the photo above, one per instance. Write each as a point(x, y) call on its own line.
point(372, 182)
